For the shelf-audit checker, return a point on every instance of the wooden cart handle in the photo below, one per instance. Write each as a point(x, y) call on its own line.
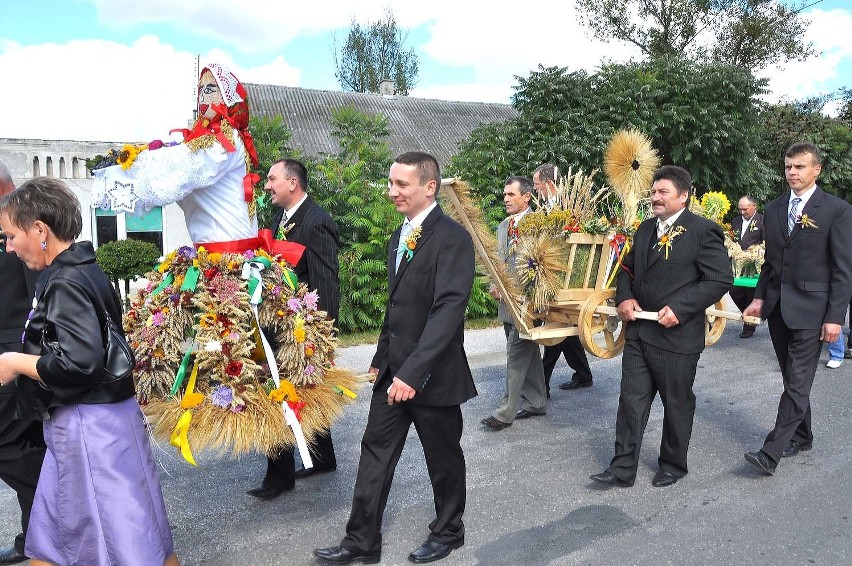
point(652, 315)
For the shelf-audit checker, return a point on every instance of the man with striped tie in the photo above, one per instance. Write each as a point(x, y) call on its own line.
point(802, 292)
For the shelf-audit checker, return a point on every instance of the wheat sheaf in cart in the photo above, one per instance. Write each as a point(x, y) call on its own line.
point(569, 251)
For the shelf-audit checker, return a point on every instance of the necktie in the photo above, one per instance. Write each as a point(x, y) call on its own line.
point(400, 250)
point(792, 216)
point(282, 228)
point(511, 230)
point(662, 227)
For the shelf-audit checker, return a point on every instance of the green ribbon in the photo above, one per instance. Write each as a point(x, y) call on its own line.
point(181, 372)
point(190, 280)
point(289, 277)
point(167, 280)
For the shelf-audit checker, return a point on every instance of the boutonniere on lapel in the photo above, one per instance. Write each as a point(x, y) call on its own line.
point(666, 240)
point(407, 247)
point(753, 227)
point(806, 222)
point(283, 230)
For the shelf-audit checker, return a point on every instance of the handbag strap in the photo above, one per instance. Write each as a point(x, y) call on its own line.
point(103, 316)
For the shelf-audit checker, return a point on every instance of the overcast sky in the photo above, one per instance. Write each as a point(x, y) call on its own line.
point(125, 71)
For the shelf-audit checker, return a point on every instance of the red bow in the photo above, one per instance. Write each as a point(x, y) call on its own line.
point(290, 251)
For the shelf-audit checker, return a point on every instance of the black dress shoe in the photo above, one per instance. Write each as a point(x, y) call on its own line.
point(340, 555)
point(761, 460)
point(494, 424)
point(663, 478)
point(431, 551)
point(610, 479)
point(524, 414)
point(574, 384)
point(308, 472)
point(11, 555)
point(266, 493)
point(748, 331)
point(794, 446)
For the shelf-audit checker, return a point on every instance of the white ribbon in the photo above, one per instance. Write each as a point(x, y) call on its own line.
point(252, 270)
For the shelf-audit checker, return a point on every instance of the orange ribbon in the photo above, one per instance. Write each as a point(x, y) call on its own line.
point(290, 251)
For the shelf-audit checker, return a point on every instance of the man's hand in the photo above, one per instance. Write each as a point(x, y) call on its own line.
point(829, 332)
point(667, 317)
point(374, 372)
point(399, 391)
point(754, 309)
point(626, 308)
point(493, 291)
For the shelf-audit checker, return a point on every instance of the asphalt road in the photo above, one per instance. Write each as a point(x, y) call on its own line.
point(529, 497)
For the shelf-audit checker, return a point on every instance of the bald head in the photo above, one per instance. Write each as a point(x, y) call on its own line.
point(6, 184)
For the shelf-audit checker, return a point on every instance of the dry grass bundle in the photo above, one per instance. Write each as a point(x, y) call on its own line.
point(484, 239)
point(258, 428)
point(629, 164)
point(540, 262)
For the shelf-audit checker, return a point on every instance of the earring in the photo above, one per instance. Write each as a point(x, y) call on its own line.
point(43, 245)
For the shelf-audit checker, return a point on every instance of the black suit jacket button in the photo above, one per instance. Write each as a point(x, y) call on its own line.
point(393, 334)
point(393, 304)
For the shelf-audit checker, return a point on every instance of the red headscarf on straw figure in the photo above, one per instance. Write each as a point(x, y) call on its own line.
point(230, 103)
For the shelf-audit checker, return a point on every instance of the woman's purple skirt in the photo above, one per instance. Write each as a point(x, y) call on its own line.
point(99, 501)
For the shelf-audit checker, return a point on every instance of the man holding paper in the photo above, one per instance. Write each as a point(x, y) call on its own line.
point(678, 266)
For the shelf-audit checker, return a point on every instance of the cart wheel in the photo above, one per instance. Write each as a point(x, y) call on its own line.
point(602, 335)
point(714, 326)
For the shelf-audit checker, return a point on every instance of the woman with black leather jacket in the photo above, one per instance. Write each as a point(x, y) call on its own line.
point(98, 500)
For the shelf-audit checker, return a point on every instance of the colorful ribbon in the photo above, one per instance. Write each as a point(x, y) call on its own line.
point(290, 251)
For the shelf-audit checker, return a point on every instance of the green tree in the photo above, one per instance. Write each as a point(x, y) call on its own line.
point(749, 33)
point(790, 122)
point(372, 53)
point(127, 260)
point(703, 117)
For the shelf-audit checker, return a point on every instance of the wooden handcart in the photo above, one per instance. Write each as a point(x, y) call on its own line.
point(585, 305)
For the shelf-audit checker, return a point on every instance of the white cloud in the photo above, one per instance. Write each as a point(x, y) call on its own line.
point(829, 33)
point(101, 90)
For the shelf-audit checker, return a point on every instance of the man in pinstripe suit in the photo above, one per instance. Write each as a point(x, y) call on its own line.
point(300, 219)
point(677, 267)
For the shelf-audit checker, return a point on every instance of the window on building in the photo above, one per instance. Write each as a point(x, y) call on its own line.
point(36, 168)
point(110, 227)
point(62, 168)
point(49, 166)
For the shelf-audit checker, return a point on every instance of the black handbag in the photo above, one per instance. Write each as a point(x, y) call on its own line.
point(119, 360)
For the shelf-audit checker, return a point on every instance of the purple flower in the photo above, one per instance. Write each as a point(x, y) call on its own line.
point(158, 318)
point(156, 144)
point(309, 370)
point(237, 408)
point(187, 252)
point(222, 396)
point(311, 300)
point(248, 254)
point(294, 304)
point(276, 290)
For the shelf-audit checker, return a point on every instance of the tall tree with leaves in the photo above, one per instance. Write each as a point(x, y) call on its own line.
point(749, 33)
point(703, 117)
point(375, 52)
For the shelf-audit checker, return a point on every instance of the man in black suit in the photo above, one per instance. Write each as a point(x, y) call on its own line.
point(300, 219)
point(678, 266)
point(422, 375)
point(545, 178)
point(748, 227)
point(21, 442)
point(803, 292)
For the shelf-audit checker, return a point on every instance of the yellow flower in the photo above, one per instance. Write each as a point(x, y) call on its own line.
point(214, 257)
point(299, 335)
point(127, 155)
point(163, 267)
point(715, 204)
point(285, 392)
point(208, 319)
point(191, 400)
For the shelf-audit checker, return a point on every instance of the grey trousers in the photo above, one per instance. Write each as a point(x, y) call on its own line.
point(524, 377)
